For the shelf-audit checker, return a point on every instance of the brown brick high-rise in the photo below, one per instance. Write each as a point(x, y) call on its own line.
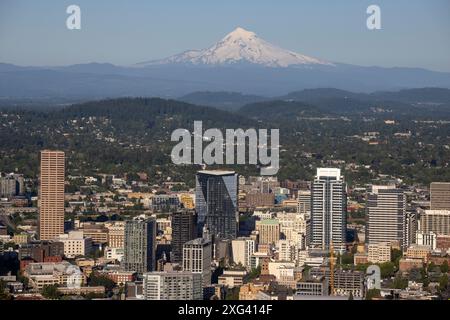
point(51, 194)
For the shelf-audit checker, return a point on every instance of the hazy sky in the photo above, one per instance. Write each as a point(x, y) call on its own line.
point(415, 33)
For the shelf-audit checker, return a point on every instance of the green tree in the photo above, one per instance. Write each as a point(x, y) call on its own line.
point(396, 255)
point(443, 282)
point(232, 294)
point(346, 258)
point(51, 292)
point(3, 294)
point(400, 282)
point(444, 267)
point(387, 269)
point(96, 279)
point(253, 274)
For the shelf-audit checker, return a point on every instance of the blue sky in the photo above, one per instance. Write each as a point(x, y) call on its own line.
point(415, 33)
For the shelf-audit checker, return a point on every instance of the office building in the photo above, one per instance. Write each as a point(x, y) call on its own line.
point(286, 250)
point(173, 285)
point(346, 282)
point(427, 239)
point(11, 185)
point(268, 231)
point(293, 226)
point(255, 200)
point(379, 252)
point(232, 278)
point(329, 210)
point(386, 216)
point(183, 230)
point(116, 234)
point(50, 273)
point(51, 195)
point(96, 231)
point(75, 244)
point(165, 203)
point(411, 228)
point(304, 202)
point(197, 257)
point(140, 245)
point(416, 251)
point(437, 221)
point(313, 286)
point(242, 250)
point(216, 203)
point(40, 251)
point(440, 196)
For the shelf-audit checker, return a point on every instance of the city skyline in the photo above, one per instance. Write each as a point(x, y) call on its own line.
point(275, 153)
point(276, 242)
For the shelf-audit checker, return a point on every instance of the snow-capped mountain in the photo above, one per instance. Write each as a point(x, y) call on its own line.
point(224, 67)
point(241, 46)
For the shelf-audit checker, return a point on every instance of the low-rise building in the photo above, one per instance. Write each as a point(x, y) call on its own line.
point(232, 278)
point(114, 253)
point(407, 264)
point(21, 238)
point(360, 258)
point(249, 291)
point(314, 286)
point(418, 252)
point(346, 282)
point(75, 244)
point(50, 273)
point(379, 252)
point(120, 277)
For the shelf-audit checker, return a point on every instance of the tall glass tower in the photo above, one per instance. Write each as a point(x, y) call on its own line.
point(140, 245)
point(216, 203)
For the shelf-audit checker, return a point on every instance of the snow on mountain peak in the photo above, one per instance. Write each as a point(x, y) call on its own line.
point(241, 46)
point(240, 33)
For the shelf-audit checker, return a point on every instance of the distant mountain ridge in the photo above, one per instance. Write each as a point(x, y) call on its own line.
point(240, 62)
point(234, 100)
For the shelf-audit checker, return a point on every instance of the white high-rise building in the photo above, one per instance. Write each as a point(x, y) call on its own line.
point(242, 249)
point(197, 258)
point(426, 239)
point(172, 286)
point(329, 210)
point(437, 221)
point(386, 214)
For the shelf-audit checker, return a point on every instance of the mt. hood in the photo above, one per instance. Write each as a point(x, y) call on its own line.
point(240, 46)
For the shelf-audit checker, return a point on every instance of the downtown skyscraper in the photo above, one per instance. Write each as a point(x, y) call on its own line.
point(51, 194)
point(216, 203)
point(183, 230)
point(140, 245)
point(386, 216)
point(328, 210)
point(197, 257)
point(440, 196)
